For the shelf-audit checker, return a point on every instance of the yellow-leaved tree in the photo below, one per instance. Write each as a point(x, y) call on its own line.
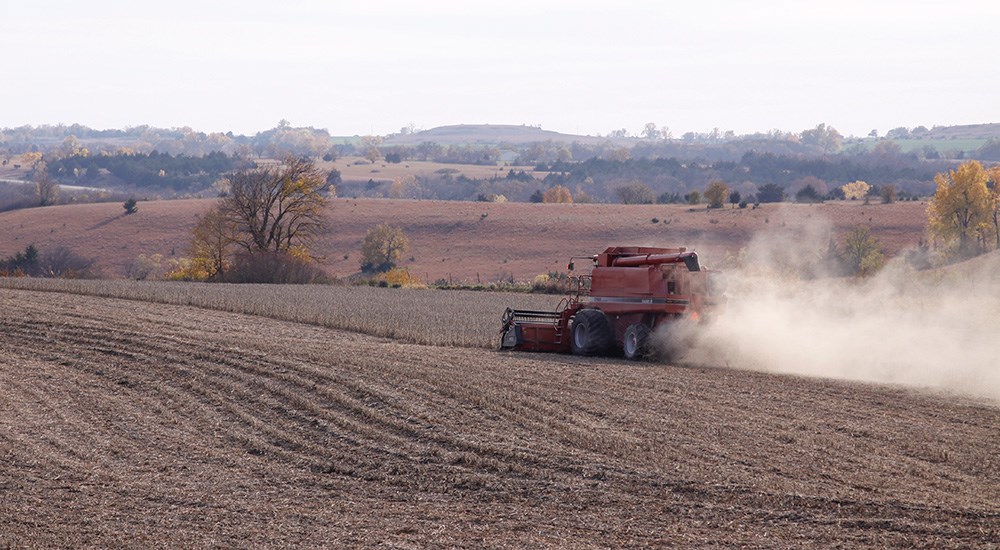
point(962, 208)
point(862, 253)
point(855, 190)
point(716, 193)
point(383, 247)
point(993, 184)
point(558, 193)
point(212, 240)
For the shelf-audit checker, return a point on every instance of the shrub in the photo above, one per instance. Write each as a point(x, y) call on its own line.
point(63, 263)
point(131, 206)
point(400, 277)
point(557, 194)
point(771, 192)
point(808, 194)
point(716, 194)
point(888, 193)
point(274, 267)
point(552, 283)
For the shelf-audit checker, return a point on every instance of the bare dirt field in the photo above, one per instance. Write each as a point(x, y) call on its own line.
point(125, 423)
point(468, 241)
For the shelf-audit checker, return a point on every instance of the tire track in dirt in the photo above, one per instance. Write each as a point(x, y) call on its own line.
point(250, 380)
point(123, 421)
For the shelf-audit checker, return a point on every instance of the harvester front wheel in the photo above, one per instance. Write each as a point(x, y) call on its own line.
point(591, 332)
point(636, 344)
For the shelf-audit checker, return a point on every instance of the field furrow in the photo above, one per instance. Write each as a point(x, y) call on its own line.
point(124, 423)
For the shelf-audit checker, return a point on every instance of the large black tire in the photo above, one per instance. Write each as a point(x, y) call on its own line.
point(636, 343)
point(592, 334)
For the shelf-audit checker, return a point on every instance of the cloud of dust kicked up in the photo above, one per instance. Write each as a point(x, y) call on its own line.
point(938, 328)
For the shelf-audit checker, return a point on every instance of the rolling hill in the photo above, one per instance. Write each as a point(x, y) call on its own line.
point(489, 134)
point(471, 241)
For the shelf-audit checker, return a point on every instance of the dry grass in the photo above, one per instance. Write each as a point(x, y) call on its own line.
point(422, 316)
point(135, 424)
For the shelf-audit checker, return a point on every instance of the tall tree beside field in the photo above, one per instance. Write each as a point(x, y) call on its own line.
point(862, 252)
point(716, 194)
point(383, 247)
point(962, 207)
point(46, 187)
point(636, 193)
point(278, 210)
point(888, 193)
point(211, 245)
point(370, 148)
point(993, 184)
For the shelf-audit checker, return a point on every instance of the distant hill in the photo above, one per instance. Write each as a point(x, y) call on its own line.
point(489, 134)
point(967, 131)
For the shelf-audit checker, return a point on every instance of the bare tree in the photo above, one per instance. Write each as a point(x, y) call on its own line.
point(277, 209)
point(46, 187)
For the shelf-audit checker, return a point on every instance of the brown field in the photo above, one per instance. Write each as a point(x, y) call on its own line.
point(126, 423)
point(466, 241)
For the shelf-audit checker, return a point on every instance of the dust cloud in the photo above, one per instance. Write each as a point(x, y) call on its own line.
point(938, 329)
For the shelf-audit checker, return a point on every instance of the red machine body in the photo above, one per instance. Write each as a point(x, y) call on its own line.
point(630, 292)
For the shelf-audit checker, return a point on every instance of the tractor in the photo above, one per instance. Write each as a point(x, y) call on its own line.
point(631, 292)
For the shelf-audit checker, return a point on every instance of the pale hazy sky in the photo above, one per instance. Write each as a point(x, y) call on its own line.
point(579, 67)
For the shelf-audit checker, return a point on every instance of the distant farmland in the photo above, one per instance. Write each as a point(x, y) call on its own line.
point(469, 241)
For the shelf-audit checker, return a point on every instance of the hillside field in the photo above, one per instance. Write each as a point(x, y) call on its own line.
point(359, 170)
point(469, 241)
point(128, 423)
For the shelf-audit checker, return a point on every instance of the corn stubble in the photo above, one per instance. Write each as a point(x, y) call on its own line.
point(143, 424)
point(419, 316)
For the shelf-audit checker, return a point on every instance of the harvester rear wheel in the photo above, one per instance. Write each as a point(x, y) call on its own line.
point(591, 332)
point(636, 344)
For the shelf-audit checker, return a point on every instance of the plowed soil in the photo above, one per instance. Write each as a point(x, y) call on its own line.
point(124, 423)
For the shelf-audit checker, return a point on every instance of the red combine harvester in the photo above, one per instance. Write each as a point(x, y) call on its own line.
point(630, 292)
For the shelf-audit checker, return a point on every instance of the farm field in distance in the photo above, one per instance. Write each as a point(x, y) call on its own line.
point(135, 423)
point(358, 169)
point(467, 241)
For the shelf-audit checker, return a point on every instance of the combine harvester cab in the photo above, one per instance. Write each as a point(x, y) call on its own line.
point(630, 293)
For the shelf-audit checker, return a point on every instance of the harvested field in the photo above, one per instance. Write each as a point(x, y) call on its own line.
point(125, 423)
point(421, 316)
point(469, 241)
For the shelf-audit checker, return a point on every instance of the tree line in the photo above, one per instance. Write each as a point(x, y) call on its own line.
point(155, 171)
